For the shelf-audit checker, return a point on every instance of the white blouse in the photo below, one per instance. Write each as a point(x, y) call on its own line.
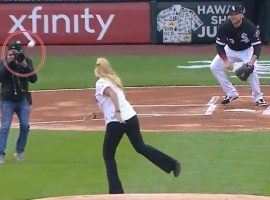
point(106, 105)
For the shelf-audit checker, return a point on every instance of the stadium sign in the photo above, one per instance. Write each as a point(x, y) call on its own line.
point(190, 22)
point(80, 23)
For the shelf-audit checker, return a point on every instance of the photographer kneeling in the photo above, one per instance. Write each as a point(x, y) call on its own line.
point(15, 97)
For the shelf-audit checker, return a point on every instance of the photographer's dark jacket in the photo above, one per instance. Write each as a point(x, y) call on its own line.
point(14, 88)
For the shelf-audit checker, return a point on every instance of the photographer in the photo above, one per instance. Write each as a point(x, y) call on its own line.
point(15, 97)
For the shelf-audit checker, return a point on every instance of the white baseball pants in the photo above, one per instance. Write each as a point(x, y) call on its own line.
point(218, 70)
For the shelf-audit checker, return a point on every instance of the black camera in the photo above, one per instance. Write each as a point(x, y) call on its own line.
point(18, 53)
point(19, 56)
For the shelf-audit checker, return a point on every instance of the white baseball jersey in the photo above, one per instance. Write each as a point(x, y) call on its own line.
point(106, 105)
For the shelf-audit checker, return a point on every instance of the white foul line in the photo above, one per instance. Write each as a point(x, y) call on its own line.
point(169, 114)
point(171, 105)
point(210, 109)
point(213, 100)
point(60, 121)
point(267, 111)
point(55, 122)
point(212, 105)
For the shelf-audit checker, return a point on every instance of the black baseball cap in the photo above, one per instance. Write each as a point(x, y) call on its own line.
point(15, 44)
point(236, 9)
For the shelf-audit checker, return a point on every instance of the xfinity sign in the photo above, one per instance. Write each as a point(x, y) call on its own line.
point(51, 23)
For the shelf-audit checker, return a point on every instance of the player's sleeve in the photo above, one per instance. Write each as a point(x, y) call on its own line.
point(101, 85)
point(256, 42)
point(221, 36)
point(221, 42)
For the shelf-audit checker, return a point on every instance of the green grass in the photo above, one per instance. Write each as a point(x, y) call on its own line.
point(71, 163)
point(77, 72)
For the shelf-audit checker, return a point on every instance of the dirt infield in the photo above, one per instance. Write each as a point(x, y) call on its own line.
point(159, 109)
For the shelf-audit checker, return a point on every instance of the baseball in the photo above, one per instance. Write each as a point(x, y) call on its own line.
point(31, 44)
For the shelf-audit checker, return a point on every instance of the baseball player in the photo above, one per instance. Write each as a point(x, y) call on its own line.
point(237, 40)
point(121, 118)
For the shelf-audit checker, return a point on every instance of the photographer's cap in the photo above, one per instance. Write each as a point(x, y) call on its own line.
point(236, 9)
point(15, 44)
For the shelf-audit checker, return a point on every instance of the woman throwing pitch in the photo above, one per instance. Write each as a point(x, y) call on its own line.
point(121, 118)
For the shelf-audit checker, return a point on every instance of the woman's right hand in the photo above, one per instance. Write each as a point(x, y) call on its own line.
point(118, 116)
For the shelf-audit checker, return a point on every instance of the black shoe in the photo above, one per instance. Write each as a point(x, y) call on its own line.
point(261, 103)
point(177, 169)
point(228, 99)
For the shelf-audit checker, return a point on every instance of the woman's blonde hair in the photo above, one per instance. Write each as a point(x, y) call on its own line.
point(104, 69)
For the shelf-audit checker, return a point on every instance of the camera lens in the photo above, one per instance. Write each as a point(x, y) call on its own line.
point(19, 56)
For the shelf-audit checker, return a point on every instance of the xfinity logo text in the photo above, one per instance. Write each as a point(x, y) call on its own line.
point(50, 23)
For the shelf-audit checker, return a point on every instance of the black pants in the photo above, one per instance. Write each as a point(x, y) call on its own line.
point(114, 133)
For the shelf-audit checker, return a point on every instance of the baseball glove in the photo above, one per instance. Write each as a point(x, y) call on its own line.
point(244, 71)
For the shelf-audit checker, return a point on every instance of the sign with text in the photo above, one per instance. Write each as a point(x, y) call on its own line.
point(80, 23)
point(190, 22)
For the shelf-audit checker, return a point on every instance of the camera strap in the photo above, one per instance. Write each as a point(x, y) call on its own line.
point(14, 84)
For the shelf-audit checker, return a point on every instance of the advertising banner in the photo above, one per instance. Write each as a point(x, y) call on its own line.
point(79, 23)
point(190, 22)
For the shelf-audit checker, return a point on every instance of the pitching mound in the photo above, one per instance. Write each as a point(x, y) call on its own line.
point(162, 197)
